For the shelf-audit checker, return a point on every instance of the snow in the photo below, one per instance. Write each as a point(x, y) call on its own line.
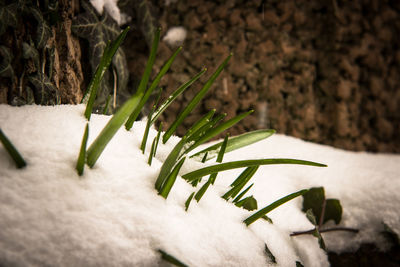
point(112, 216)
point(175, 36)
point(112, 9)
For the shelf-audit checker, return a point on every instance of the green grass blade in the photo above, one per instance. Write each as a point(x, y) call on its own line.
point(15, 155)
point(198, 125)
point(194, 136)
point(240, 182)
point(239, 197)
point(235, 143)
point(218, 129)
point(168, 164)
point(187, 203)
point(146, 131)
point(105, 110)
point(272, 206)
point(193, 103)
point(219, 158)
point(160, 127)
point(105, 61)
point(166, 187)
point(175, 94)
point(244, 163)
point(171, 259)
point(149, 91)
point(151, 154)
point(80, 165)
point(116, 121)
point(202, 190)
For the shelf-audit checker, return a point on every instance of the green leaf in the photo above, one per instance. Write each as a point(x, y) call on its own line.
point(146, 130)
point(314, 200)
point(248, 203)
point(45, 91)
point(311, 217)
point(333, 211)
point(116, 121)
point(100, 71)
point(166, 187)
point(175, 94)
point(154, 145)
point(269, 254)
point(217, 130)
point(193, 103)
point(169, 163)
point(105, 110)
point(30, 52)
point(15, 155)
point(82, 153)
point(43, 31)
point(239, 197)
point(171, 259)
point(187, 203)
point(6, 70)
point(146, 19)
point(298, 264)
point(8, 17)
point(240, 182)
point(99, 31)
point(202, 190)
point(259, 214)
point(236, 142)
point(153, 86)
point(244, 163)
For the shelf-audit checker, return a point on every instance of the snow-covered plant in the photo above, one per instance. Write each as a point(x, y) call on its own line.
point(202, 131)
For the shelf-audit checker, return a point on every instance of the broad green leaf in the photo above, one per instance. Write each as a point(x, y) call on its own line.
point(236, 142)
point(171, 259)
point(175, 94)
point(244, 163)
point(314, 200)
point(43, 31)
point(259, 214)
point(105, 61)
point(15, 155)
point(218, 129)
point(116, 121)
point(8, 16)
point(80, 165)
point(316, 233)
point(193, 103)
point(30, 52)
point(146, 19)
point(152, 87)
point(248, 203)
point(6, 70)
point(269, 254)
point(166, 187)
point(333, 211)
point(46, 93)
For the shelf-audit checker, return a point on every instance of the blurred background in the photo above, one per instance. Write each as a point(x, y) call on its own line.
point(325, 71)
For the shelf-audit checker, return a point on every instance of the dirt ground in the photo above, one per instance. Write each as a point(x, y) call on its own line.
point(325, 71)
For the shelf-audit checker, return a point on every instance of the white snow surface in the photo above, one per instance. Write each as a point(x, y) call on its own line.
point(112, 215)
point(111, 8)
point(175, 36)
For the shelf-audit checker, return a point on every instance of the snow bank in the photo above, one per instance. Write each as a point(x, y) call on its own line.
point(112, 216)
